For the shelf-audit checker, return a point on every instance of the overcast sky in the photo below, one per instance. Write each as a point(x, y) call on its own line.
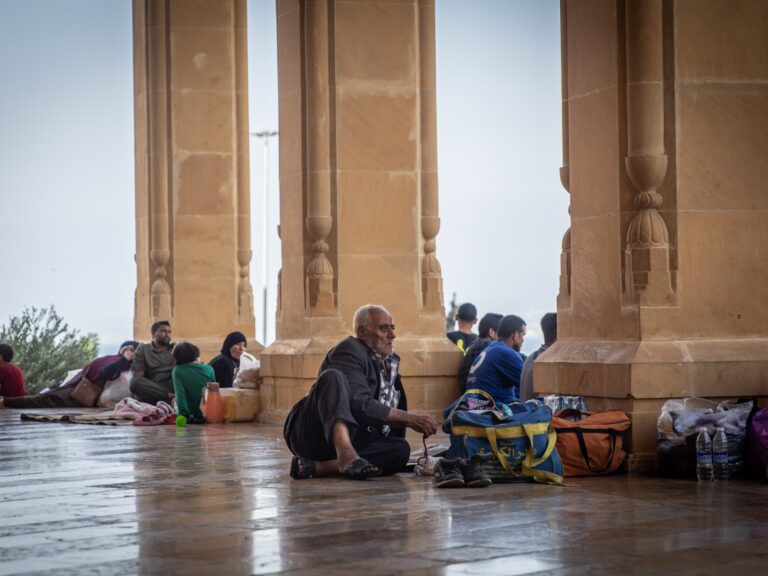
point(67, 165)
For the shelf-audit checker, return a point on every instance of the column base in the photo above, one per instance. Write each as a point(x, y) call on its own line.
point(429, 367)
point(638, 377)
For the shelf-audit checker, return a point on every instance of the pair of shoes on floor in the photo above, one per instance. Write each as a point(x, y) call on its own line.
point(461, 473)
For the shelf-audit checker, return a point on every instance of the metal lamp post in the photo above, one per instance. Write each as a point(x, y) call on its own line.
point(265, 135)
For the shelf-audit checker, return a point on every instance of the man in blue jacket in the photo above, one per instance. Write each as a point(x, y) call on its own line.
point(497, 369)
point(353, 420)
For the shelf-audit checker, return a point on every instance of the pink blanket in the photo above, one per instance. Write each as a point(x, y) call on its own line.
point(144, 414)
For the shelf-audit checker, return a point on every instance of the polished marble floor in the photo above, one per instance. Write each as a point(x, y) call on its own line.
point(80, 499)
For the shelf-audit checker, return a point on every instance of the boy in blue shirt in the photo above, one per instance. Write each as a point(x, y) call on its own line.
point(497, 369)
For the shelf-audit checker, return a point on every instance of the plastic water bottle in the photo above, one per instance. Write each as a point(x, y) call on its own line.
point(720, 455)
point(703, 456)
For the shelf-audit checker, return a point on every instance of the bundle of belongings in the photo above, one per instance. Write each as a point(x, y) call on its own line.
point(757, 444)
point(678, 426)
point(498, 443)
point(144, 414)
point(248, 373)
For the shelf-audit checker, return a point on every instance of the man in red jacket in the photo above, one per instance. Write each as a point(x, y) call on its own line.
point(11, 378)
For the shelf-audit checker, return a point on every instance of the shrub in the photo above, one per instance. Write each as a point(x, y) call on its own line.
point(46, 347)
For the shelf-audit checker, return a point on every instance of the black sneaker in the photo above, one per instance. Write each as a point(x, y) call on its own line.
point(448, 474)
point(472, 471)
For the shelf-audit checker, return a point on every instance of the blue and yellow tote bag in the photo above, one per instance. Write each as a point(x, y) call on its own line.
point(522, 438)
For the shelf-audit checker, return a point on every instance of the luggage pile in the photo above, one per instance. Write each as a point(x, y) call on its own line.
point(529, 444)
point(679, 423)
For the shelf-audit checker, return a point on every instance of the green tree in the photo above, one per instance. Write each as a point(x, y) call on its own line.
point(46, 347)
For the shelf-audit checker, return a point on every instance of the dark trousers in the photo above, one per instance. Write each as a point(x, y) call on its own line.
point(59, 398)
point(149, 391)
point(308, 429)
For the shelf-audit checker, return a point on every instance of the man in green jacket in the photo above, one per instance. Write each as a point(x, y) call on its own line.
point(152, 366)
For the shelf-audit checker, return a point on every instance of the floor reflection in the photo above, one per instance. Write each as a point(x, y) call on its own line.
point(187, 496)
point(78, 499)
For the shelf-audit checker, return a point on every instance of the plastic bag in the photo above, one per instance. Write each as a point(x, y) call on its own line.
point(681, 418)
point(676, 434)
point(249, 374)
point(115, 390)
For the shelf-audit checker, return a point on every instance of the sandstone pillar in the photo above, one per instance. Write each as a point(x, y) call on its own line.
point(667, 153)
point(358, 192)
point(193, 245)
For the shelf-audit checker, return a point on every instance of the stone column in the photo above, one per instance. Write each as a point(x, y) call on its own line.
point(564, 295)
point(193, 241)
point(358, 192)
point(667, 157)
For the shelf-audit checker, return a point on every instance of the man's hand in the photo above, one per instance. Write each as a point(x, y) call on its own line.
point(422, 423)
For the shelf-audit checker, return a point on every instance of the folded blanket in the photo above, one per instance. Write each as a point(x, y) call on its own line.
point(143, 414)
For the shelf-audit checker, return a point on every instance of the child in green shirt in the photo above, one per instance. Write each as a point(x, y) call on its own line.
point(189, 380)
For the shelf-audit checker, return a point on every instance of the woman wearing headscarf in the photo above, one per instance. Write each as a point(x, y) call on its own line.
point(99, 371)
point(226, 364)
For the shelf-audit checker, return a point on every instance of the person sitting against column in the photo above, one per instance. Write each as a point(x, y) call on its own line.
point(99, 371)
point(488, 329)
point(226, 364)
point(11, 376)
point(549, 330)
point(189, 380)
point(497, 369)
point(466, 318)
point(152, 366)
point(353, 420)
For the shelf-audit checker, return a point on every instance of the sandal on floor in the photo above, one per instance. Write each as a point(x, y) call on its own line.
point(302, 469)
point(361, 469)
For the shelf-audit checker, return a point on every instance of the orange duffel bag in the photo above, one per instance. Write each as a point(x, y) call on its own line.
point(589, 443)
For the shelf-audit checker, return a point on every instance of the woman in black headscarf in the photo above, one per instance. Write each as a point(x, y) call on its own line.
point(226, 364)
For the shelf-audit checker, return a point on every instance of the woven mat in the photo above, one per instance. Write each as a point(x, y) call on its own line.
point(103, 417)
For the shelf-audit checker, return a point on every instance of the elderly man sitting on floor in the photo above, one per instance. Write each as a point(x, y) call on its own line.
point(353, 420)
